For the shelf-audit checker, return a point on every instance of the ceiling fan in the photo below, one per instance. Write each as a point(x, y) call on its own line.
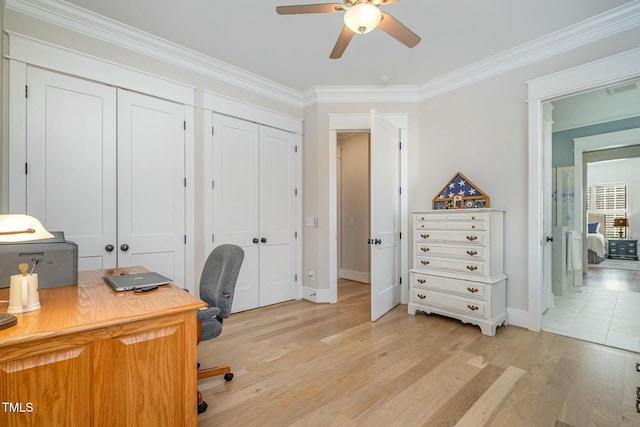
point(361, 16)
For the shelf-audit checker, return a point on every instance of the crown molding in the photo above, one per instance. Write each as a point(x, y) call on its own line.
point(606, 24)
point(64, 14)
point(100, 27)
point(350, 94)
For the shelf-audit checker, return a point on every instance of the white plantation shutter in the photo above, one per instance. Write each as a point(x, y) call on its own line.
point(610, 200)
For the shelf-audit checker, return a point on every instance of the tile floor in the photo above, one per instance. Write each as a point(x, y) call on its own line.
point(603, 316)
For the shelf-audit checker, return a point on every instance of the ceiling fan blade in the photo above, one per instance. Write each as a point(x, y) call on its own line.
point(343, 41)
point(311, 8)
point(398, 31)
point(377, 2)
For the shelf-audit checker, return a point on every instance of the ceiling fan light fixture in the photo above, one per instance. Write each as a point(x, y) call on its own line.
point(362, 17)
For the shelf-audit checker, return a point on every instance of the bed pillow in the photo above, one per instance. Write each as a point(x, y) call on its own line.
point(593, 227)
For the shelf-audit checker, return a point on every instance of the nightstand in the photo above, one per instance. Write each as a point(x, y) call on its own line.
point(623, 249)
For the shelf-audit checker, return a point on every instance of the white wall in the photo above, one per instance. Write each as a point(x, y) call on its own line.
point(624, 171)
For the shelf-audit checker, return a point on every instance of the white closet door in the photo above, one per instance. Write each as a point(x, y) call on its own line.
point(71, 155)
point(385, 189)
point(151, 186)
point(234, 164)
point(277, 216)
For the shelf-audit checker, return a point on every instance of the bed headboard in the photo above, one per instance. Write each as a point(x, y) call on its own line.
point(592, 217)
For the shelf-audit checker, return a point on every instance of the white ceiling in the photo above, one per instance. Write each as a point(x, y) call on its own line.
point(294, 50)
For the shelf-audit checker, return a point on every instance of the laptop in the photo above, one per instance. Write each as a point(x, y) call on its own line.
point(137, 281)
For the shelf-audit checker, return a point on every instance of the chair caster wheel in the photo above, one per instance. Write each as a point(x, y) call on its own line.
point(228, 377)
point(202, 407)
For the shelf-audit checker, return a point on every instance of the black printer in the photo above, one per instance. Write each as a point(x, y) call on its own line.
point(56, 258)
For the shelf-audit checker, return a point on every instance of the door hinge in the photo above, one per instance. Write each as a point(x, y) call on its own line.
point(400, 145)
point(26, 91)
point(185, 125)
point(185, 182)
point(400, 190)
point(185, 239)
point(295, 191)
point(295, 277)
point(213, 238)
point(295, 148)
point(401, 280)
point(26, 168)
point(295, 233)
point(400, 235)
point(213, 184)
point(213, 132)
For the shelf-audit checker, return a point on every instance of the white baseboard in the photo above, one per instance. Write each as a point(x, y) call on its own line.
point(519, 318)
point(317, 295)
point(357, 276)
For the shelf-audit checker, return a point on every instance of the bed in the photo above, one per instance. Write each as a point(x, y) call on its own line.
point(596, 243)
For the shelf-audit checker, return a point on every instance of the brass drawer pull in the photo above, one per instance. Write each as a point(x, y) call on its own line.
point(472, 267)
point(472, 290)
point(423, 249)
point(421, 296)
point(422, 281)
point(472, 238)
point(424, 236)
point(472, 253)
point(423, 262)
point(472, 307)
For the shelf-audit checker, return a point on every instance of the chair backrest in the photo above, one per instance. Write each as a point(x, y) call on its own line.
point(219, 276)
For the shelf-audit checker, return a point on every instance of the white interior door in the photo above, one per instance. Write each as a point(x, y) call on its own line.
point(151, 184)
point(235, 212)
point(71, 155)
point(385, 194)
point(547, 248)
point(277, 216)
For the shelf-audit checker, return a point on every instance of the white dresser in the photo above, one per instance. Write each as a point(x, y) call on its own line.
point(458, 266)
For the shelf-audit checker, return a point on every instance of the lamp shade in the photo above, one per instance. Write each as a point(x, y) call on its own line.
point(21, 228)
point(620, 222)
point(362, 17)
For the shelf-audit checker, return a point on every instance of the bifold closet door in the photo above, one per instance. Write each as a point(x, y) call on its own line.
point(254, 172)
point(151, 184)
point(106, 167)
point(71, 162)
point(277, 216)
point(235, 213)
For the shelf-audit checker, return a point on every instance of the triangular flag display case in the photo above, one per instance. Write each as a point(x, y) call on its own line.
point(460, 193)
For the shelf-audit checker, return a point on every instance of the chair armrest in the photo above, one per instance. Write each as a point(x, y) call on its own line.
point(207, 312)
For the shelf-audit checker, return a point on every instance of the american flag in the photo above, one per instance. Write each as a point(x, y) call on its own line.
point(459, 185)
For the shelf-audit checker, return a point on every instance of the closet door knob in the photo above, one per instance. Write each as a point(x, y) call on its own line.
point(263, 240)
point(255, 240)
point(109, 248)
point(124, 247)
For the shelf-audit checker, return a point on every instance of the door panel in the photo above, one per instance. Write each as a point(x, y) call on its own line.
point(71, 149)
point(277, 216)
point(385, 189)
point(151, 188)
point(235, 200)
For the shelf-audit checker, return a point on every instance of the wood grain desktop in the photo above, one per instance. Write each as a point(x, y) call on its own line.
point(93, 356)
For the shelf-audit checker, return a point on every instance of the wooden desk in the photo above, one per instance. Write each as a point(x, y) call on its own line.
point(94, 357)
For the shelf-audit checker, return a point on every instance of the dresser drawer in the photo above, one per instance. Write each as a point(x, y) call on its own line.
point(446, 236)
point(459, 216)
point(468, 252)
point(445, 284)
point(449, 302)
point(442, 225)
point(470, 267)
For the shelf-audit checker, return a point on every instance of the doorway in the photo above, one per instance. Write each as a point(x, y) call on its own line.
point(354, 201)
point(590, 302)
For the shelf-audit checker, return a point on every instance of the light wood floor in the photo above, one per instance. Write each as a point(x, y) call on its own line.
point(304, 364)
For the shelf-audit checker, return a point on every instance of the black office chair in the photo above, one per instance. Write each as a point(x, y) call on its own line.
point(217, 286)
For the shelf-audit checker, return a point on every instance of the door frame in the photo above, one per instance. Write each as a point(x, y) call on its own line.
point(599, 73)
point(362, 122)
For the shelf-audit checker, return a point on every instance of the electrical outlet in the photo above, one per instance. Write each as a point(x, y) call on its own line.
point(312, 274)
